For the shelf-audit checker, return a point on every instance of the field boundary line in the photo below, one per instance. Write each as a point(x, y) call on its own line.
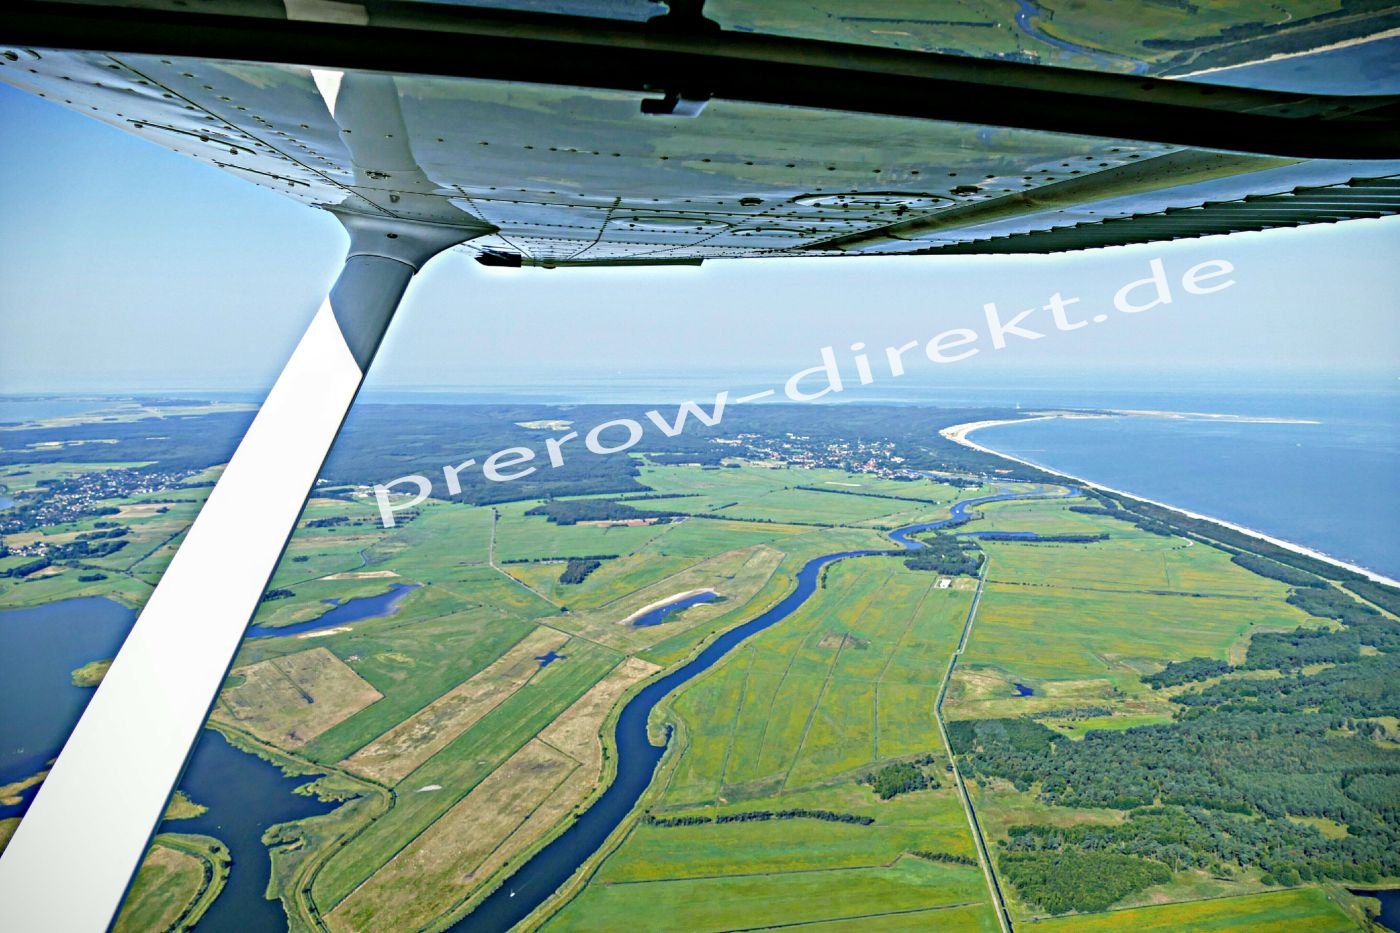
point(826, 682)
point(734, 729)
point(887, 913)
point(998, 905)
point(880, 680)
point(760, 874)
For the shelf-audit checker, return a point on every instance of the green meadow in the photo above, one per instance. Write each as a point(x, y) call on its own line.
point(911, 894)
point(793, 719)
point(1299, 910)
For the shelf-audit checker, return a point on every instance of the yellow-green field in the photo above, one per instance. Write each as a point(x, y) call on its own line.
point(466, 727)
point(1301, 910)
point(792, 720)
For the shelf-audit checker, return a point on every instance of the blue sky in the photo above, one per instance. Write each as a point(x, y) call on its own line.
point(127, 267)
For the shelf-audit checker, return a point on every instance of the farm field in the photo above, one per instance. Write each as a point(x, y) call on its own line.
point(1306, 910)
point(482, 695)
point(843, 686)
point(807, 780)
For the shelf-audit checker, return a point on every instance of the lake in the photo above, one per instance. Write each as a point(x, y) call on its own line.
point(352, 610)
point(39, 649)
point(657, 616)
point(1390, 905)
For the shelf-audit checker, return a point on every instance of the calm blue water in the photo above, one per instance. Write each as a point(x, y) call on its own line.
point(245, 796)
point(39, 649)
point(352, 610)
point(18, 410)
point(1369, 68)
point(1023, 691)
point(657, 616)
point(1333, 486)
point(1390, 906)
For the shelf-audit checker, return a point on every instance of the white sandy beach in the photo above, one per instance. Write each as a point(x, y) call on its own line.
point(959, 434)
point(664, 602)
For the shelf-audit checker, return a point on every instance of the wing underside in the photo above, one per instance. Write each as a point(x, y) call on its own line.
point(599, 172)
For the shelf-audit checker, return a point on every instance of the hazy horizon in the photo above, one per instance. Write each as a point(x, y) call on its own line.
point(180, 276)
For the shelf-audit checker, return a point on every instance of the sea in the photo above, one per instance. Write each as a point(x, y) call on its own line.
point(1320, 467)
point(1326, 475)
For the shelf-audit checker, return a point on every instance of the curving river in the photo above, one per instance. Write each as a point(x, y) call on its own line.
point(554, 864)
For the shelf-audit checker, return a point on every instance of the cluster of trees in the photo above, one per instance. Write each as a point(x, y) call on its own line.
point(26, 568)
point(857, 492)
point(555, 560)
point(1191, 670)
point(759, 816)
point(279, 593)
point(1382, 594)
point(1274, 570)
point(827, 816)
point(1255, 761)
point(573, 511)
point(1162, 520)
point(901, 778)
point(329, 522)
point(1073, 713)
point(86, 550)
point(1289, 651)
point(382, 441)
point(578, 569)
point(1366, 687)
point(184, 443)
point(1079, 879)
point(1051, 539)
point(103, 530)
point(1300, 647)
point(1189, 837)
point(1332, 604)
point(711, 458)
point(659, 495)
point(945, 555)
point(664, 821)
point(948, 857)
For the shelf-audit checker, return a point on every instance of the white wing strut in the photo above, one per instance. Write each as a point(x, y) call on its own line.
point(69, 864)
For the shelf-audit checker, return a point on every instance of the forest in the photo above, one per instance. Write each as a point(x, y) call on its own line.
point(1288, 735)
point(573, 511)
point(1065, 879)
point(945, 555)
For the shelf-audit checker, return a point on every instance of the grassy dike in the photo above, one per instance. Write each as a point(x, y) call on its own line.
point(182, 875)
point(155, 901)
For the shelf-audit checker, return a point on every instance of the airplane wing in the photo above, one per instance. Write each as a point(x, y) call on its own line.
point(561, 133)
point(570, 134)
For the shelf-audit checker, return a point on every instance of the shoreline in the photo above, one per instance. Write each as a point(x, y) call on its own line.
point(663, 603)
point(958, 434)
point(1286, 56)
